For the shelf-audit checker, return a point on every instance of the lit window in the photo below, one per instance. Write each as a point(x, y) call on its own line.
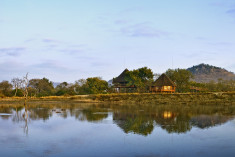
point(167, 87)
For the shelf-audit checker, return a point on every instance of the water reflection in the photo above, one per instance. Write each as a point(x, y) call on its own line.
point(138, 119)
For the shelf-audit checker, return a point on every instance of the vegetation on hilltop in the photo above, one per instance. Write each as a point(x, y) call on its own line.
point(204, 73)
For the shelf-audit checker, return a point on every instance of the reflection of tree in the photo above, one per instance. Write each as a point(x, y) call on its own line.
point(173, 122)
point(139, 119)
point(17, 116)
point(177, 124)
point(129, 122)
point(26, 117)
point(89, 114)
point(205, 121)
point(173, 119)
point(40, 113)
point(94, 114)
point(6, 110)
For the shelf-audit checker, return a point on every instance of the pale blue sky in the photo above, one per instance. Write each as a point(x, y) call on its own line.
point(65, 40)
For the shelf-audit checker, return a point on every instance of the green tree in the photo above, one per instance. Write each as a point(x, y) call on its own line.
point(80, 87)
point(62, 89)
point(181, 77)
point(43, 87)
point(6, 88)
point(95, 85)
point(141, 78)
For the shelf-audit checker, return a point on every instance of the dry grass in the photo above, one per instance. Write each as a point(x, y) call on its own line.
point(156, 98)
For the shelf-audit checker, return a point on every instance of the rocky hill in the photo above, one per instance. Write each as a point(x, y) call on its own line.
point(207, 73)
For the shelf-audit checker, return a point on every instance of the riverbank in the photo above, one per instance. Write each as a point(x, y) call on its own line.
point(226, 98)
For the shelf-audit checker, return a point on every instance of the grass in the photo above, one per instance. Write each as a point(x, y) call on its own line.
point(156, 98)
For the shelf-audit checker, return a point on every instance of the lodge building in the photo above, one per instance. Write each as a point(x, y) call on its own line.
point(162, 84)
point(120, 83)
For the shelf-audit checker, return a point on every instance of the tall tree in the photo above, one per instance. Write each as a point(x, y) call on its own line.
point(96, 85)
point(80, 86)
point(62, 89)
point(43, 86)
point(181, 77)
point(5, 88)
point(17, 83)
point(25, 83)
point(141, 78)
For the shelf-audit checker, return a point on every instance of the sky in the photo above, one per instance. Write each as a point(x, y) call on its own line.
point(67, 40)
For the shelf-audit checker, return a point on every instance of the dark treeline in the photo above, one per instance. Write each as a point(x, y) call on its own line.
point(141, 78)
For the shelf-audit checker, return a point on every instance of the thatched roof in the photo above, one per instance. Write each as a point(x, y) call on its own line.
point(121, 77)
point(164, 80)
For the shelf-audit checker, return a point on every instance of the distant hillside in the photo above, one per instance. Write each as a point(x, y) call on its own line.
point(207, 73)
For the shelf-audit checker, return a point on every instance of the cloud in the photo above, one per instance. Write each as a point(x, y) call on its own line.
point(29, 40)
point(219, 4)
point(231, 12)
point(200, 38)
point(221, 43)
point(121, 22)
point(200, 55)
point(132, 9)
point(47, 68)
point(72, 51)
point(100, 64)
point(143, 30)
point(50, 65)
point(12, 51)
point(50, 41)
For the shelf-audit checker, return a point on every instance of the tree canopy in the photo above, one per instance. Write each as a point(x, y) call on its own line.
point(96, 85)
point(181, 77)
point(140, 78)
point(42, 87)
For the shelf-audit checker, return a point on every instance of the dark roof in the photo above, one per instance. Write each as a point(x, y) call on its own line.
point(121, 77)
point(164, 80)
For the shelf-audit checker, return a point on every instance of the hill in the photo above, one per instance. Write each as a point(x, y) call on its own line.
point(207, 73)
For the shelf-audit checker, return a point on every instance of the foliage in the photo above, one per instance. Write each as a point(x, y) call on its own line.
point(206, 73)
point(212, 86)
point(181, 77)
point(18, 92)
point(17, 84)
point(42, 87)
point(62, 89)
point(95, 85)
point(80, 86)
point(141, 78)
point(5, 88)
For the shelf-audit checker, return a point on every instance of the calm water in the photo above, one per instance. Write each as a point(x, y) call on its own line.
point(116, 130)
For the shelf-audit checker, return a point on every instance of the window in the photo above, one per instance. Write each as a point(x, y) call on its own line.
point(167, 87)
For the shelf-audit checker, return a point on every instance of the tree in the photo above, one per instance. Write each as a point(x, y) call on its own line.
point(17, 83)
point(95, 85)
point(5, 88)
point(62, 89)
point(80, 86)
point(181, 77)
point(43, 87)
point(25, 83)
point(141, 78)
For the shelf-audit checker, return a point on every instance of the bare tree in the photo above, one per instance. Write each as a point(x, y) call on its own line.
point(25, 83)
point(17, 82)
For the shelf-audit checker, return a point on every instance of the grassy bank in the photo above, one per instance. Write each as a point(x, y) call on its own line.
point(160, 98)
